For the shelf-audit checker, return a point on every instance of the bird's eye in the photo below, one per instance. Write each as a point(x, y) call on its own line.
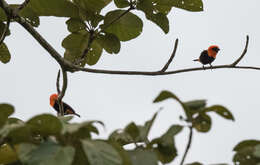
point(216, 49)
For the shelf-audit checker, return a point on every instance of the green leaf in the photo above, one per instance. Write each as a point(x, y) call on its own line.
point(5, 55)
point(125, 25)
point(257, 151)
point(8, 155)
point(81, 130)
point(195, 104)
point(195, 163)
point(45, 125)
point(100, 152)
point(122, 152)
point(2, 27)
point(5, 111)
point(165, 149)
point(132, 130)
point(166, 95)
point(120, 137)
point(161, 20)
point(46, 154)
point(245, 144)
point(189, 5)
point(202, 123)
point(221, 110)
point(92, 5)
point(155, 13)
point(31, 16)
point(94, 53)
point(58, 8)
point(109, 42)
point(121, 3)
point(75, 25)
point(142, 157)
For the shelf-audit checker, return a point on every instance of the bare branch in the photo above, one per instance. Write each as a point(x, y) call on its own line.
point(172, 56)
point(188, 145)
point(23, 5)
point(58, 83)
point(243, 53)
point(5, 30)
point(63, 90)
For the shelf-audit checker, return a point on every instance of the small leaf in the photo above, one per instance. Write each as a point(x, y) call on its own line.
point(75, 25)
point(126, 27)
point(5, 111)
point(31, 16)
point(120, 137)
point(45, 125)
point(132, 130)
point(195, 163)
point(121, 3)
point(161, 20)
point(4, 53)
point(220, 110)
point(2, 27)
point(100, 152)
point(166, 95)
point(109, 42)
point(202, 123)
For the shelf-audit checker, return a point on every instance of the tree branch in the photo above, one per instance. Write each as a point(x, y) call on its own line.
point(243, 53)
point(23, 5)
point(63, 90)
point(58, 83)
point(188, 145)
point(5, 30)
point(172, 56)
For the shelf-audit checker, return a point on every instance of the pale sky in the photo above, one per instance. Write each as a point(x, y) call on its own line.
point(29, 78)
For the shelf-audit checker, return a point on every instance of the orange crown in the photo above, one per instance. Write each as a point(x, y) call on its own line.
point(53, 98)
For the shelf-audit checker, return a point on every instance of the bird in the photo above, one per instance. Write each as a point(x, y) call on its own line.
point(208, 56)
point(67, 109)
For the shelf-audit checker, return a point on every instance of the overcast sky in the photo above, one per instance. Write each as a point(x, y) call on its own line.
point(29, 78)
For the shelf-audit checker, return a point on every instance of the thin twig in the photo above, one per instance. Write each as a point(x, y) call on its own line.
point(188, 145)
point(172, 56)
point(243, 53)
point(58, 82)
point(63, 90)
point(23, 5)
point(5, 30)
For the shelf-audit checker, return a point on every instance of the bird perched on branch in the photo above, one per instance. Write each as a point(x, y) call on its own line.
point(67, 109)
point(208, 56)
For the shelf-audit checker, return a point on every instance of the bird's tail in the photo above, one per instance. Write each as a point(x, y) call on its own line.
point(77, 114)
point(196, 60)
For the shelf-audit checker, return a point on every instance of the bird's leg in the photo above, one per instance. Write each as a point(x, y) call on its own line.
point(210, 66)
point(203, 67)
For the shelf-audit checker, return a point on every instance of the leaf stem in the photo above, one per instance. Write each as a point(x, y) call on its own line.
point(188, 145)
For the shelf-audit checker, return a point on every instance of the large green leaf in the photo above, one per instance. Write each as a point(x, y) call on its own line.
point(100, 153)
point(247, 153)
point(142, 157)
point(58, 8)
point(45, 125)
point(125, 25)
point(5, 55)
point(46, 154)
point(109, 42)
point(161, 20)
point(221, 110)
point(195, 104)
point(92, 5)
point(5, 111)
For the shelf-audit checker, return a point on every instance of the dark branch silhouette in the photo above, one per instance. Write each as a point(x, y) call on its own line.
point(188, 145)
point(172, 56)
